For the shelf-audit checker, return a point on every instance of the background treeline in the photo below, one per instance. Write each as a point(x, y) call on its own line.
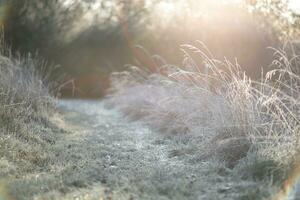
point(89, 38)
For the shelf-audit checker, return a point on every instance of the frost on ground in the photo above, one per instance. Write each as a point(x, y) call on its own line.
point(103, 155)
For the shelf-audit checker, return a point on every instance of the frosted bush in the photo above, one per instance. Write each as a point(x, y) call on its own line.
point(216, 101)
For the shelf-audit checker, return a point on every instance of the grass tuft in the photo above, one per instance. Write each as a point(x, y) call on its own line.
point(26, 102)
point(238, 119)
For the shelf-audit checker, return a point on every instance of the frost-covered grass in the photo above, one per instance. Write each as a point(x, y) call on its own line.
point(252, 125)
point(224, 136)
point(25, 107)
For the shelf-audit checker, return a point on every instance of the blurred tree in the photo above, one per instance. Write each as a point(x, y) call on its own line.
point(98, 36)
point(277, 17)
point(80, 35)
point(34, 25)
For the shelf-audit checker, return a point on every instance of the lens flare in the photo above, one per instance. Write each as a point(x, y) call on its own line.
point(290, 189)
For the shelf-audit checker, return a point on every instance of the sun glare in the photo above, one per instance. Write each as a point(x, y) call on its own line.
point(167, 8)
point(171, 7)
point(295, 5)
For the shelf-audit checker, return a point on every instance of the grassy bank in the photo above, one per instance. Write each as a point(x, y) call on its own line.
point(25, 106)
point(251, 125)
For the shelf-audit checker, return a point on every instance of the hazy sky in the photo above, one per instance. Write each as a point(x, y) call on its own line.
point(295, 5)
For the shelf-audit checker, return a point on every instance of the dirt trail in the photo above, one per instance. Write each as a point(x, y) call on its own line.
point(105, 156)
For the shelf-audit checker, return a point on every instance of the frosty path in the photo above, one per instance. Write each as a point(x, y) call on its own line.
point(103, 155)
point(120, 159)
point(113, 152)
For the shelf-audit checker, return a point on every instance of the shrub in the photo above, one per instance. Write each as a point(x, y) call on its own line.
point(24, 94)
